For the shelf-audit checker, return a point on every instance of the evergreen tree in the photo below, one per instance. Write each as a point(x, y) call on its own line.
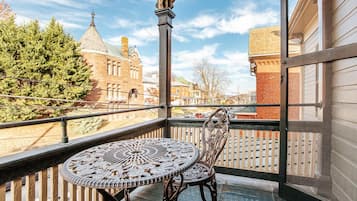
point(39, 63)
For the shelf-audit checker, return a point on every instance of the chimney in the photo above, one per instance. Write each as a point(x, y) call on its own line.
point(124, 47)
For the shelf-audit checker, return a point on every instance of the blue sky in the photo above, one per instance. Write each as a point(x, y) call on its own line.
point(213, 29)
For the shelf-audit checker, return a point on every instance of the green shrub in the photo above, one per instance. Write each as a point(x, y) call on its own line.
point(85, 125)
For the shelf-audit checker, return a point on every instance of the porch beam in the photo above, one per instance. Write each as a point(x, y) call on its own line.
point(283, 93)
point(165, 17)
point(326, 55)
point(325, 22)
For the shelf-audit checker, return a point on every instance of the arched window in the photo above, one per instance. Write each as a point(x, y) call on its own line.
point(133, 93)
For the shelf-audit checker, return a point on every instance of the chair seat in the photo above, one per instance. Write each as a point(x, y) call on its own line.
point(197, 173)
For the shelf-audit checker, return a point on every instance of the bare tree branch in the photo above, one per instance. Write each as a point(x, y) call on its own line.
point(210, 79)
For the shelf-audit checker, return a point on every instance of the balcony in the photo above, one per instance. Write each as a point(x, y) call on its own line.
point(252, 150)
point(298, 158)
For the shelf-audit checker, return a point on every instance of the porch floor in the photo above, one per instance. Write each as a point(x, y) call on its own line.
point(230, 188)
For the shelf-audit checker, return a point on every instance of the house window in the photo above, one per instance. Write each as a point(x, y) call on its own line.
point(133, 71)
point(109, 92)
point(118, 68)
point(115, 92)
point(118, 92)
point(115, 72)
point(137, 74)
point(109, 67)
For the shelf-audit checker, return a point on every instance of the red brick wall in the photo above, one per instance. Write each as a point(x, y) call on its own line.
point(99, 77)
point(268, 92)
point(294, 95)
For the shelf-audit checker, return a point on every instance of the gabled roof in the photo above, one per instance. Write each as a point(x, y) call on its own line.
point(113, 50)
point(178, 84)
point(302, 14)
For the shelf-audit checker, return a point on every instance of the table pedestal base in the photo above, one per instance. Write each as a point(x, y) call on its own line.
point(117, 197)
point(172, 191)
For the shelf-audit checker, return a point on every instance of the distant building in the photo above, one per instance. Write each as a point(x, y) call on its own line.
point(151, 88)
point(183, 92)
point(243, 99)
point(197, 95)
point(5, 11)
point(180, 93)
point(187, 93)
point(264, 58)
point(116, 70)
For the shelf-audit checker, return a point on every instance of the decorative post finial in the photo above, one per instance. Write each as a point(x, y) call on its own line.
point(165, 4)
point(92, 22)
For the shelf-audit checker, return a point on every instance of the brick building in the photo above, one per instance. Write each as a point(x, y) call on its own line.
point(5, 11)
point(116, 70)
point(264, 58)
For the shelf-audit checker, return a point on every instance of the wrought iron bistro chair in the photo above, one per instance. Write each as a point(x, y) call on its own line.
point(215, 131)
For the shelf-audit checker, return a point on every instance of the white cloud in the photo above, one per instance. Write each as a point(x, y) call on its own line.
point(203, 21)
point(150, 64)
point(21, 19)
point(187, 59)
point(247, 18)
point(71, 25)
point(238, 20)
point(236, 59)
point(141, 37)
point(150, 33)
point(123, 23)
point(62, 3)
point(179, 37)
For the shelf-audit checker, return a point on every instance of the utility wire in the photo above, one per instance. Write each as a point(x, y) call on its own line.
point(63, 100)
point(64, 108)
point(67, 84)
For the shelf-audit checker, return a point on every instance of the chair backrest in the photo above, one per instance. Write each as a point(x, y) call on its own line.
point(215, 131)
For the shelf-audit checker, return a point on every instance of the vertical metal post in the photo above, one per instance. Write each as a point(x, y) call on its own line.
point(325, 23)
point(64, 130)
point(165, 27)
point(283, 94)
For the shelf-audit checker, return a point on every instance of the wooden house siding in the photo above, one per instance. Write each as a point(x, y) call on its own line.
point(310, 44)
point(344, 104)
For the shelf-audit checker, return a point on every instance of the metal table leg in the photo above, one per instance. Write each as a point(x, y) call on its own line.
point(117, 197)
point(171, 191)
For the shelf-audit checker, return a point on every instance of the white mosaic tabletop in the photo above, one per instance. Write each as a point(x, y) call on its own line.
point(129, 163)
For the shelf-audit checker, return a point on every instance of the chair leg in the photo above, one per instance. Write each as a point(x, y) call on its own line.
point(213, 189)
point(202, 193)
point(212, 186)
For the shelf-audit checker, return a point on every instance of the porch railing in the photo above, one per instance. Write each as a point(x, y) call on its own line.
point(34, 174)
point(252, 150)
point(253, 145)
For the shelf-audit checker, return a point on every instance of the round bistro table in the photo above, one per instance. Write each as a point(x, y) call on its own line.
point(131, 163)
